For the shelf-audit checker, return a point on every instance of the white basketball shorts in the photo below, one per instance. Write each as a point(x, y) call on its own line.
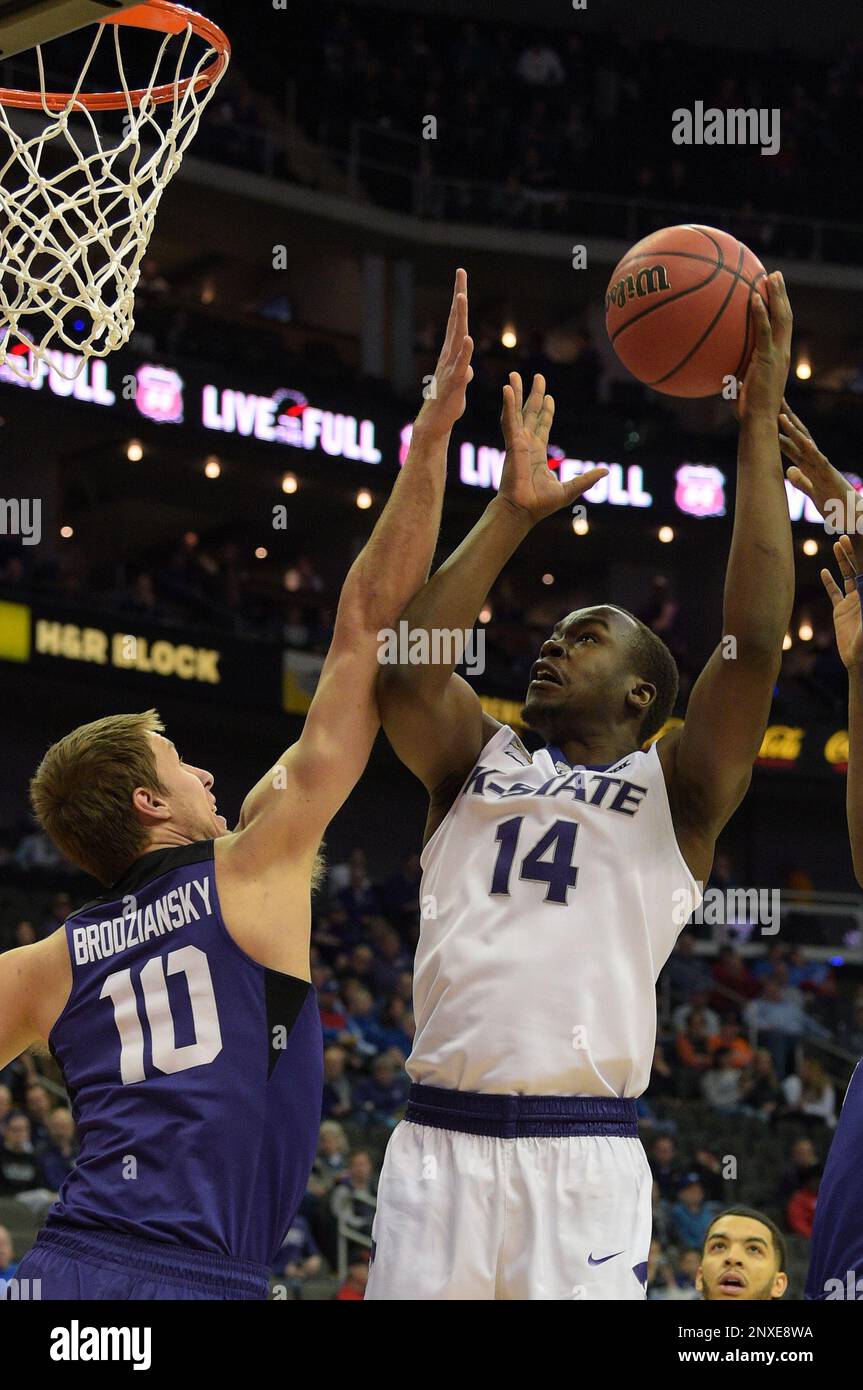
point(479, 1217)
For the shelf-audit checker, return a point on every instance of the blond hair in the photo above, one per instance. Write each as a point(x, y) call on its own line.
point(82, 792)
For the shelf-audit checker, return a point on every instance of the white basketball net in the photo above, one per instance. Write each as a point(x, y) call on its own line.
point(76, 214)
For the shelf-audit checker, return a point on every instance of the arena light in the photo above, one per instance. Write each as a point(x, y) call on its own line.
point(580, 525)
point(548, 579)
point(134, 451)
point(509, 337)
point(212, 468)
point(485, 614)
point(666, 534)
point(803, 370)
point(364, 500)
point(804, 631)
point(67, 532)
point(261, 552)
point(810, 547)
point(289, 483)
point(787, 642)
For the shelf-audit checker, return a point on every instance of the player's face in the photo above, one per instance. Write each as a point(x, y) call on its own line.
point(190, 796)
point(581, 669)
point(739, 1263)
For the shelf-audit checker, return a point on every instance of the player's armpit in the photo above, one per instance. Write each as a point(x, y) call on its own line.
point(708, 763)
point(438, 733)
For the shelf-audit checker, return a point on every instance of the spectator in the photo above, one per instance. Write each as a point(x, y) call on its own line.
point(664, 1166)
point(354, 1287)
point(21, 1174)
point(299, 1258)
point(352, 1201)
point(58, 1154)
point(380, 1096)
point(338, 1100)
point(779, 1021)
point(721, 1085)
point(8, 1263)
point(694, 1052)
point(5, 1107)
point(25, 933)
point(691, 1214)
point(800, 1212)
point(539, 66)
point(760, 1091)
point(688, 973)
point(810, 1094)
point(730, 1039)
point(37, 1104)
point(697, 1004)
point(733, 981)
point(331, 1158)
point(802, 1159)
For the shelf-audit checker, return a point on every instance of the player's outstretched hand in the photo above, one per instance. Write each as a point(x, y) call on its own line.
point(445, 394)
point(527, 481)
point(764, 383)
point(847, 613)
point(813, 473)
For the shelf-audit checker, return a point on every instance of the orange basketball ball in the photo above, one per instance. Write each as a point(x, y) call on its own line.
point(678, 309)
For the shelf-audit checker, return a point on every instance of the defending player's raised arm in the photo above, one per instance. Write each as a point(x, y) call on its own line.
point(293, 803)
point(848, 625)
point(812, 472)
point(708, 765)
point(432, 717)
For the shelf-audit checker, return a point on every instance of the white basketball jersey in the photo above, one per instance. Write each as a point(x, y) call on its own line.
point(552, 896)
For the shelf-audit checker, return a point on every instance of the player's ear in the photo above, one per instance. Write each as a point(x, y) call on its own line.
point(149, 805)
point(640, 696)
point(699, 1282)
point(780, 1284)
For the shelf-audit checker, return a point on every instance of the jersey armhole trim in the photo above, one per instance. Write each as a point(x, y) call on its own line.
point(665, 803)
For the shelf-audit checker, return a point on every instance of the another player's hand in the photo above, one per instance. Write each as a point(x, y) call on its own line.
point(813, 473)
point(847, 619)
point(527, 481)
point(446, 392)
point(764, 383)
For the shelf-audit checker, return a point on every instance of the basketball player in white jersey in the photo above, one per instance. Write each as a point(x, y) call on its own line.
point(556, 883)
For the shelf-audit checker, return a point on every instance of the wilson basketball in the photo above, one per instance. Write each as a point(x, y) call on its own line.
point(678, 309)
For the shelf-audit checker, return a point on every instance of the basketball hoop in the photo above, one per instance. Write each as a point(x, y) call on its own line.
point(77, 205)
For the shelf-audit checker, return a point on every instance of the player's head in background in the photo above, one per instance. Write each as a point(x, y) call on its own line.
point(743, 1258)
point(605, 672)
point(114, 789)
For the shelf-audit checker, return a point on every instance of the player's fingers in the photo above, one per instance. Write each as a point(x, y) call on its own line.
point(795, 419)
point(798, 479)
point(464, 354)
point(582, 484)
point(834, 593)
point(761, 321)
point(845, 559)
point(459, 287)
point(517, 388)
point(533, 404)
point(544, 419)
point(509, 415)
point(789, 448)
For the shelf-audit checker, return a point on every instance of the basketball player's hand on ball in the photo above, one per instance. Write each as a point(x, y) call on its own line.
point(764, 383)
point(847, 619)
point(813, 473)
point(446, 393)
point(527, 482)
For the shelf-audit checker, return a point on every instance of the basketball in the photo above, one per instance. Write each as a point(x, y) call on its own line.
point(678, 309)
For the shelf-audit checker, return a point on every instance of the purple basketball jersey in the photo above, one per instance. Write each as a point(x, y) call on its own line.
point(195, 1074)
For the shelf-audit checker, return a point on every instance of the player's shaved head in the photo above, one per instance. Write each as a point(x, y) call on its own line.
point(629, 679)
